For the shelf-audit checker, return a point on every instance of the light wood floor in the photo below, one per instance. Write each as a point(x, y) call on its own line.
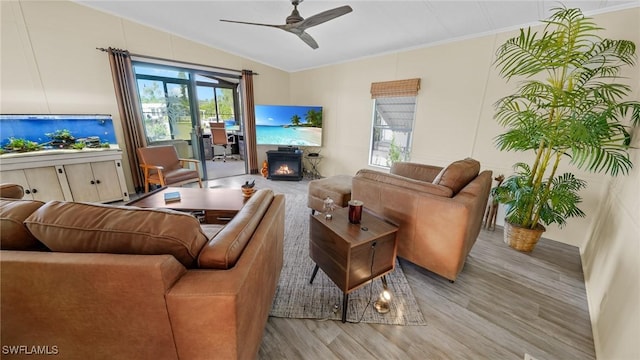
point(503, 305)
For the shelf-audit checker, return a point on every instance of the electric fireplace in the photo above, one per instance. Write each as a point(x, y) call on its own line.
point(285, 164)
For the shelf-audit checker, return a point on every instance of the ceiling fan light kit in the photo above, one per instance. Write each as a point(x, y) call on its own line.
point(297, 25)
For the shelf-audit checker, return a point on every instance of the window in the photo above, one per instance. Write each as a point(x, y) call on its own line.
point(394, 105)
point(175, 100)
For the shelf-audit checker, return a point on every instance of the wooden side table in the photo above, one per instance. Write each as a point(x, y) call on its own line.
point(351, 254)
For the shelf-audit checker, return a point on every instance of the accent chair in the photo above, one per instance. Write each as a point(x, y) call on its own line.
point(438, 210)
point(161, 166)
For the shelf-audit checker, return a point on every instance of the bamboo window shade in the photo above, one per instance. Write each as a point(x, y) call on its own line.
point(397, 88)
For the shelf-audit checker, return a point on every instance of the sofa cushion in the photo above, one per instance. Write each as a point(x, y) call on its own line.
point(421, 172)
point(97, 228)
point(11, 191)
point(225, 248)
point(397, 180)
point(458, 174)
point(14, 235)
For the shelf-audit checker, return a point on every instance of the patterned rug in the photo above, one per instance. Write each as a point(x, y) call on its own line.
point(296, 298)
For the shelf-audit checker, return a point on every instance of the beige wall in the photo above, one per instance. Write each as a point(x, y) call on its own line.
point(611, 252)
point(454, 119)
point(454, 115)
point(49, 65)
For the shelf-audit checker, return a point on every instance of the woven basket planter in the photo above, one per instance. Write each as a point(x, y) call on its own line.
point(522, 239)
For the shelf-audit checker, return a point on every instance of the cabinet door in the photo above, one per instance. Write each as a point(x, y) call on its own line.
point(38, 183)
point(81, 182)
point(17, 177)
point(107, 182)
point(44, 183)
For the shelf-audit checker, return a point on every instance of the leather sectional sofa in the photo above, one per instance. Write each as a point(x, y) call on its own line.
point(93, 281)
point(438, 210)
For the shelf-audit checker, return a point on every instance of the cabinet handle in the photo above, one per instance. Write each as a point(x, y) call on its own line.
point(97, 181)
point(27, 191)
point(34, 190)
point(92, 182)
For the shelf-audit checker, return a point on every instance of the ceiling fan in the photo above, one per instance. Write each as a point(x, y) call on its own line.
point(297, 25)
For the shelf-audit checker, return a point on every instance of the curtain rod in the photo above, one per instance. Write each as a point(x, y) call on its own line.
point(175, 61)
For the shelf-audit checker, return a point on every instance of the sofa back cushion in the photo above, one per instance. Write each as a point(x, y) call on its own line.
point(421, 172)
point(379, 177)
point(223, 251)
point(97, 228)
point(458, 174)
point(14, 235)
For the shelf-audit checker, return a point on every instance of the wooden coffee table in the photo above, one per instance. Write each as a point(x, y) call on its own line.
point(351, 254)
point(219, 205)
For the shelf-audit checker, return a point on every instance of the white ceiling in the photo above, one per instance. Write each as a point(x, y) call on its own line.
point(373, 28)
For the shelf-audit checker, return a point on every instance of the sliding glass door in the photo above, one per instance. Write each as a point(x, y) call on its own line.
point(178, 104)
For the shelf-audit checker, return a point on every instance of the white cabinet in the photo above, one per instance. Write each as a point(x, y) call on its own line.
point(38, 183)
point(94, 182)
point(71, 175)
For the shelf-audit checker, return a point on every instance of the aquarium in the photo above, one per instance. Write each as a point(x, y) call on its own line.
point(288, 125)
point(90, 129)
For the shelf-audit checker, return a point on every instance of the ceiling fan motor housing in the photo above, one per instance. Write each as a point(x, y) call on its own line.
point(295, 15)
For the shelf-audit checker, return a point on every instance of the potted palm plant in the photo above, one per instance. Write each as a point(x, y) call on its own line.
point(570, 105)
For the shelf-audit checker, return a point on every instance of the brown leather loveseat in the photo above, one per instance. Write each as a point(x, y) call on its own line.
point(93, 281)
point(438, 211)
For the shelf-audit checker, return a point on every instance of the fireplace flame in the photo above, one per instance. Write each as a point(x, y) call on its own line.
point(284, 170)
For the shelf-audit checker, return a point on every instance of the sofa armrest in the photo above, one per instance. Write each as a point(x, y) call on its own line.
point(228, 309)
point(373, 176)
point(421, 172)
point(11, 191)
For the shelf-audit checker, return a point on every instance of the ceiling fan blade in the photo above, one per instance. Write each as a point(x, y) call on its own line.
point(252, 23)
point(308, 39)
point(324, 16)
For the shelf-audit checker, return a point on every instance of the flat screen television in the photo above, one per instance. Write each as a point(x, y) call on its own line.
point(288, 125)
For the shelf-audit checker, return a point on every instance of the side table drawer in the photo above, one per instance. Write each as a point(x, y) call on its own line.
point(219, 216)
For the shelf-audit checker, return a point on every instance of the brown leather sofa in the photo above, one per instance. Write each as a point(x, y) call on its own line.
point(94, 281)
point(438, 211)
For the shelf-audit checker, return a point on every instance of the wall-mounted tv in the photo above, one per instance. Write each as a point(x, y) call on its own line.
point(288, 125)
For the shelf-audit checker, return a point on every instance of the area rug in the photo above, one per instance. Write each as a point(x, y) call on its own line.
point(322, 300)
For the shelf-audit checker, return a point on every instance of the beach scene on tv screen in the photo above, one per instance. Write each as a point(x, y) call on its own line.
point(288, 125)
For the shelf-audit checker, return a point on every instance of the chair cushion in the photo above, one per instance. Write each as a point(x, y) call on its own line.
point(223, 251)
point(11, 191)
point(458, 174)
point(177, 175)
point(97, 228)
point(14, 235)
